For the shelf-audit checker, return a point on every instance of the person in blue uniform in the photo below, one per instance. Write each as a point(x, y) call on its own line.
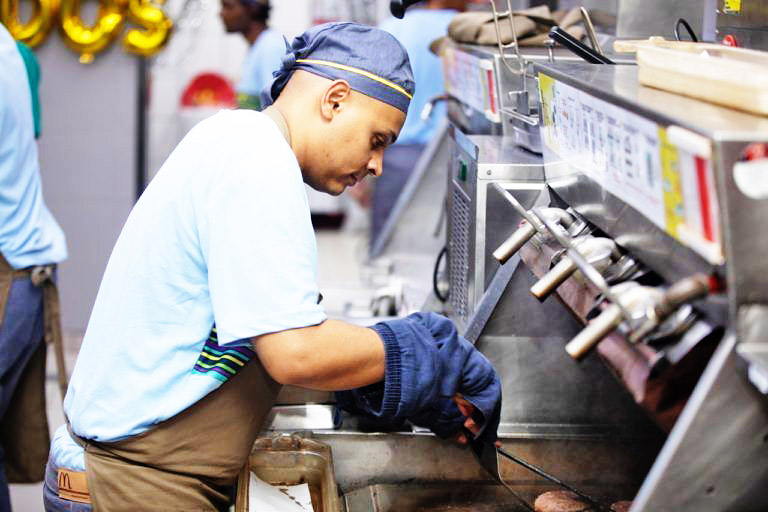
point(266, 47)
point(31, 243)
point(416, 31)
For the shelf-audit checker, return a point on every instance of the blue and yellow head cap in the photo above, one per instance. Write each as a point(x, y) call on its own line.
point(371, 60)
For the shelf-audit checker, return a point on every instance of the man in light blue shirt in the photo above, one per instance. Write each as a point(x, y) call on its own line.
point(29, 235)
point(267, 47)
point(210, 295)
point(415, 31)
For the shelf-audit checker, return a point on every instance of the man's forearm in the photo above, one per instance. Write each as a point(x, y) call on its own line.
point(330, 356)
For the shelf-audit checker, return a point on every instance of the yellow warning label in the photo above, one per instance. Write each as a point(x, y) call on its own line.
point(547, 92)
point(672, 188)
point(732, 6)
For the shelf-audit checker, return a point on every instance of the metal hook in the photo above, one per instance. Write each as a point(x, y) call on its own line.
point(510, 18)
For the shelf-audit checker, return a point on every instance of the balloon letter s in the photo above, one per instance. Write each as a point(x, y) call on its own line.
point(157, 28)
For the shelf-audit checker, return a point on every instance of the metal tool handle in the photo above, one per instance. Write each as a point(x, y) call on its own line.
point(554, 278)
point(526, 231)
point(682, 292)
point(537, 470)
point(582, 50)
point(595, 331)
point(515, 241)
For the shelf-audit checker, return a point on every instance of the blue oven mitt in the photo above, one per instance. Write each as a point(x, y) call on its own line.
point(427, 363)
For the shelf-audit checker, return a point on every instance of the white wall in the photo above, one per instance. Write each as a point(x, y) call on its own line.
point(87, 157)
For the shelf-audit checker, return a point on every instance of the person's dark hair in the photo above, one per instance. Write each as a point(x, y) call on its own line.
point(259, 9)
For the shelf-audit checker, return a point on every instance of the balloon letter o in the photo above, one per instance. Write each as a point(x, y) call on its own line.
point(87, 40)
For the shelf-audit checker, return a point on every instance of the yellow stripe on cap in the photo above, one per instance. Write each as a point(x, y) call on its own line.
point(359, 72)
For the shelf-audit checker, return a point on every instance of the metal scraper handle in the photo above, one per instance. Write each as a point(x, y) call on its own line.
point(530, 467)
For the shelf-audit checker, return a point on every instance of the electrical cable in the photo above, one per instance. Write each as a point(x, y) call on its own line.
point(435, 288)
point(683, 22)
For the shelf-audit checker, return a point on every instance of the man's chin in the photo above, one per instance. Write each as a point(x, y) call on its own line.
point(335, 190)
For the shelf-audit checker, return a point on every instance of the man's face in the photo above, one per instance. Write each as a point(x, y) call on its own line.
point(234, 15)
point(353, 144)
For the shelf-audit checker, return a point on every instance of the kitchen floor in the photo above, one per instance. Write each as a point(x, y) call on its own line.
point(340, 256)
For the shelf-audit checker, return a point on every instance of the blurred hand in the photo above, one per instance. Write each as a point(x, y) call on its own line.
point(467, 409)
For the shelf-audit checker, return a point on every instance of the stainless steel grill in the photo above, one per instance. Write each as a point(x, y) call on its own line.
point(458, 253)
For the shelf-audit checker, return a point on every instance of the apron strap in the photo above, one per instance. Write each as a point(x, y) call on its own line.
point(7, 275)
point(42, 277)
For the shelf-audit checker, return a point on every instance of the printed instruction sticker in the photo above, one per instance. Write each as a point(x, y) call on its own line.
point(732, 6)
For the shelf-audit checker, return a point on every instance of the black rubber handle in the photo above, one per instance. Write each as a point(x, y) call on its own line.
point(398, 7)
point(577, 47)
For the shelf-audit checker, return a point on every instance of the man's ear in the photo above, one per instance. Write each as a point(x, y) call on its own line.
point(335, 98)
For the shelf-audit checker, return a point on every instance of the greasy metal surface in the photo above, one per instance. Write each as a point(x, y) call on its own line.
point(469, 497)
point(612, 467)
point(466, 497)
point(716, 457)
point(640, 19)
point(634, 367)
point(545, 392)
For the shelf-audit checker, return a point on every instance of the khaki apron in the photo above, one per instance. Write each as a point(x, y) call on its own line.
point(189, 461)
point(24, 429)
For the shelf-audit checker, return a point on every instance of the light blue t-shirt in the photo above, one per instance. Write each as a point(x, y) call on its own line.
point(264, 56)
point(416, 32)
point(29, 235)
point(221, 236)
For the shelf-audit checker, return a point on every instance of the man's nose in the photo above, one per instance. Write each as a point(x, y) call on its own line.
point(376, 164)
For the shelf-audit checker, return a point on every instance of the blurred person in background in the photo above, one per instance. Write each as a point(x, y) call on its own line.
point(31, 243)
point(267, 47)
point(416, 31)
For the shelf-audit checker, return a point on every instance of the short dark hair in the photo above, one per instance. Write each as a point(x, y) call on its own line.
point(259, 9)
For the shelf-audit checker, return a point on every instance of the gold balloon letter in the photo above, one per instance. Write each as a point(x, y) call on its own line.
point(85, 39)
point(157, 28)
point(39, 25)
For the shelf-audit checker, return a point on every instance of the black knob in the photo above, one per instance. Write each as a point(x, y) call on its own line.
point(398, 7)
